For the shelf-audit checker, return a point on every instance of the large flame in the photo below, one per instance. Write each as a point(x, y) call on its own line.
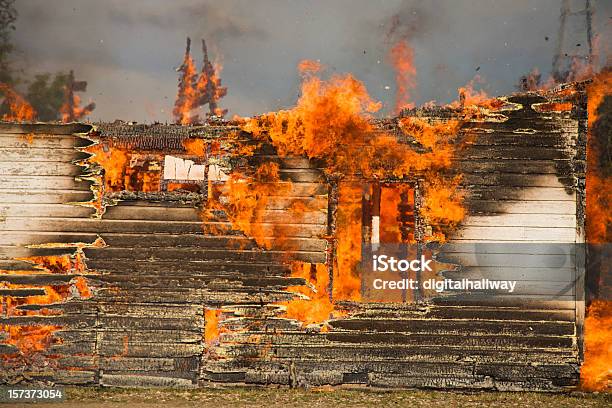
point(244, 197)
point(402, 59)
point(36, 338)
point(196, 90)
point(347, 282)
point(598, 178)
point(19, 110)
point(596, 371)
point(332, 122)
point(314, 305)
point(187, 96)
point(119, 173)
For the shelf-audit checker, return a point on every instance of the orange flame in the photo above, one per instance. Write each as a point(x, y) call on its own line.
point(29, 339)
point(245, 197)
point(596, 372)
point(347, 282)
point(71, 110)
point(332, 121)
point(19, 110)
point(211, 325)
point(37, 338)
point(187, 94)
point(598, 179)
point(317, 306)
point(197, 90)
point(402, 58)
point(119, 172)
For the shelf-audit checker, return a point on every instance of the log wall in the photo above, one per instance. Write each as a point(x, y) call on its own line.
point(171, 301)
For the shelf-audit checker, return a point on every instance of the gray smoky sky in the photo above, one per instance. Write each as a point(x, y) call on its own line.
point(128, 50)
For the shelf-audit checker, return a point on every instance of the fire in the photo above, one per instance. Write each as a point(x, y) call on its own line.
point(195, 147)
point(332, 122)
point(72, 110)
point(553, 107)
point(402, 59)
point(309, 67)
point(470, 97)
point(29, 339)
point(197, 90)
point(599, 175)
point(315, 305)
point(186, 98)
point(442, 207)
point(395, 200)
point(19, 110)
point(124, 170)
point(244, 197)
point(211, 327)
point(596, 372)
point(347, 283)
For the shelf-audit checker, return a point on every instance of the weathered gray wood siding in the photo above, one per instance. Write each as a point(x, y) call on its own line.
point(524, 178)
point(164, 268)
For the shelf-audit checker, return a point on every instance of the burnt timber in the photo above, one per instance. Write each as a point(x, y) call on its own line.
point(162, 268)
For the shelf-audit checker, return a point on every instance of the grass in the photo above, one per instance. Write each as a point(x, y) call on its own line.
point(318, 397)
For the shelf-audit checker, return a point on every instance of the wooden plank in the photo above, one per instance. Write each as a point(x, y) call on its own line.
point(131, 381)
point(529, 287)
point(10, 252)
point(512, 273)
point(142, 226)
point(509, 166)
point(193, 214)
point(41, 155)
point(126, 212)
point(24, 196)
point(39, 168)
point(45, 210)
point(45, 128)
point(202, 241)
point(478, 327)
point(194, 267)
point(36, 238)
point(522, 220)
point(447, 340)
point(525, 207)
point(144, 254)
point(290, 162)
point(539, 139)
point(511, 180)
point(42, 183)
point(382, 353)
point(522, 194)
point(508, 260)
point(527, 234)
point(511, 152)
point(302, 175)
point(41, 141)
point(530, 248)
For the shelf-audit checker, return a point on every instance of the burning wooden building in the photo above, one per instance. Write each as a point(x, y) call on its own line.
point(230, 252)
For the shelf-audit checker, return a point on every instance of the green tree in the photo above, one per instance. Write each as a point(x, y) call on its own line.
point(46, 95)
point(8, 15)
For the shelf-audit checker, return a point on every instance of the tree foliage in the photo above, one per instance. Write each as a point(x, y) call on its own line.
point(46, 95)
point(8, 16)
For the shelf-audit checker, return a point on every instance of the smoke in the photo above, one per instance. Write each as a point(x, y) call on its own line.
point(128, 50)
